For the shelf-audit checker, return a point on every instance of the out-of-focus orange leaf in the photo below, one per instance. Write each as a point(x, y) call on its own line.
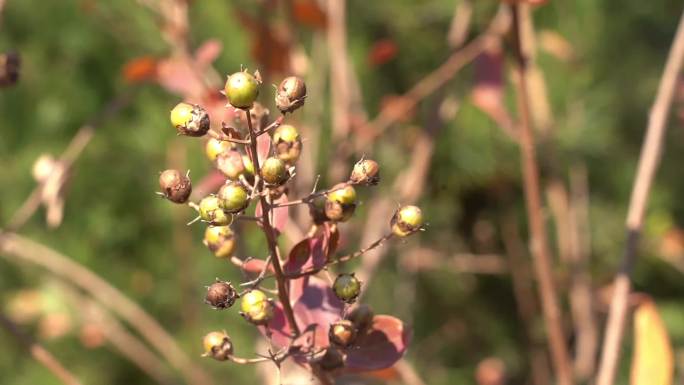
point(382, 51)
point(140, 69)
point(387, 374)
point(208, 52)
point(652, 362)
point(309, 13)
point(269, 47)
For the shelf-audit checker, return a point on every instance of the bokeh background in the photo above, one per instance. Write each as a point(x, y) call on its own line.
point(597, 68)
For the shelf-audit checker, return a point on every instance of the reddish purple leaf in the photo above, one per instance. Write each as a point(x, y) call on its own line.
point(207, 185)
point(307, 255)
point(263, 147)
point(176, 75)
point(280, 214)
point(383, 344)
point(208, 52)
point(332, 235)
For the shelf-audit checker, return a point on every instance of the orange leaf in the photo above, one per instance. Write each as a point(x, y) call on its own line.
point(382, 51)
point(308, 13)
point(652, 361)
point(140, 69)
point(387, 374)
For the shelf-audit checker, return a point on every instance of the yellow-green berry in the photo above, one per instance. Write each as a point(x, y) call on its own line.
point(215, 147)
point(211, 212)
point(406, 221)
point(366, 171)
point(274, 171)
point(220, 240)
point(290, 94)
point(217, 345)
point(256, 307)
point(189, 119)
point(233, 197)
point(347, 287)
point(241, 89)
point(288, 144)
point(340, 203)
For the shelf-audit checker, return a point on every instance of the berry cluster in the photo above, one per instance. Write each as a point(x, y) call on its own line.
point(262, 178)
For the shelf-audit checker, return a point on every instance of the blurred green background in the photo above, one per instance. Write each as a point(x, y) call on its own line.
point(73, 53)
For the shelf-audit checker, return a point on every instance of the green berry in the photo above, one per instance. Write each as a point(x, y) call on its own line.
point(220, 240)
point(211, 212)
point(256, 307)
point(366, 171)
point(215, 147)
point(406, 221)
point(274, 171)
point(347, 287)
point(189, 119)
point(340, 203)
point(175, 186)
point(217, 345)
point(242, 89)
point(290, 94)
point(233, 197)
point(288, 144)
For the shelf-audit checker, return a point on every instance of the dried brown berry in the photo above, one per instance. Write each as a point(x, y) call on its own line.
point(221, 295)
point(218, 346)
point(290, 94)
point(342, 333)
point(175, 186)
point(366, 171)
point(361, 316)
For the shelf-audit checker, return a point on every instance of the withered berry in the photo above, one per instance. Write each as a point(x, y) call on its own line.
point(233, 197)
point(341, 203)
point(221, 295)
point(342, 333)
point(347, 287)
point(361, 316)
point(231, 164)
point(175, 186)
point(290, 94)
point(218, 346)
point(220, 240)
point(190, 120)
point(274, 171)
point(256, 307)
point(242, 89)
point(332, 359)
point(288, 144)
point(366, 171)
point(406, 221)
point(211, 212)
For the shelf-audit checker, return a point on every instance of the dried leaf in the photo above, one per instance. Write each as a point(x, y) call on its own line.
point(652, 361)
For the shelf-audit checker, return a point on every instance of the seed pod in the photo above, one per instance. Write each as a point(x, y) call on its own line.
point(215, 147)
point(317, 210)
point(366, 171)
point(10, 63)
point(233, 197)
point(342, 333)
point(218, 346)
point(221, 295)
point(256, 307)
point(220, 240)
point(242, 89)
point(361, 316)
point(274, 171)
point(175, 186)
point(347, 287)
point(341, 203)
point(231, 164)
point(288, 144)
point(190, 120)
point(331, 360)
point(406, 221)
point(211, 212)
point(290, 94)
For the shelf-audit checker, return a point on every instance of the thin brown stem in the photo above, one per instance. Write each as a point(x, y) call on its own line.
point(649, 159)
point(283, 292)
point(38, 352)
point(537, 227)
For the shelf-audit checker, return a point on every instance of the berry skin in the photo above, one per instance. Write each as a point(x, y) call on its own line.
point(221, 295)
point(220, 240)
point(190, 120)
point(361, 316)
point(406, 221)
point(347, 287)
point(215, 147)
point(290, 94)
point(340, 203)
point(233, 197)
point(211, 212)
point(342, 333)
point(366, 171)
point(256, 307)
point(242, 89)
point(274, 171)
point(175, 186)
point(288, 144)
point(231, 164)
point(217, 345)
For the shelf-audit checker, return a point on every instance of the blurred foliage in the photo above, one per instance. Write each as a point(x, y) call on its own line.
point(72, 56)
